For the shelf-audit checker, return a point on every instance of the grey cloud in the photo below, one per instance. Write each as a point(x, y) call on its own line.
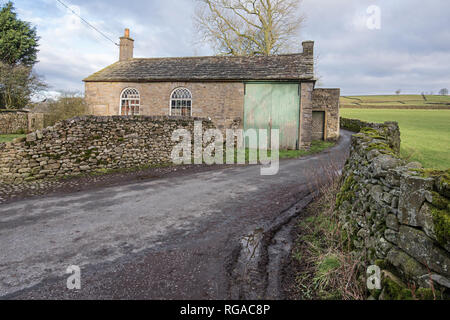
point(411, 51)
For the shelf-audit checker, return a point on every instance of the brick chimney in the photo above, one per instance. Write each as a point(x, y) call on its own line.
point(308, 47)
point(126, 46)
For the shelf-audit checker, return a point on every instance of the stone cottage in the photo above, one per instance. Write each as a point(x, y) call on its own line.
point(245, 92)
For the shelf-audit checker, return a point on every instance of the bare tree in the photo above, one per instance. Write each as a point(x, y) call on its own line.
point(249, 27)
point(443, 92)
point(66, 105)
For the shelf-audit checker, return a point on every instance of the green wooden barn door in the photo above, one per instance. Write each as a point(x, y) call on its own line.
point(274, 106)
point(285, 113)
point(258, 106)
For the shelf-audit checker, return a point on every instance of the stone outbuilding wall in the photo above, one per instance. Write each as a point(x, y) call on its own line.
point(36, 121)
point(92, 143)
point(20, 122)
point(327, 100)
point(395, 214)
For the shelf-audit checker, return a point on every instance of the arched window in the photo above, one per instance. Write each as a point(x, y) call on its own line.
point(129, 102)
point(181, 102)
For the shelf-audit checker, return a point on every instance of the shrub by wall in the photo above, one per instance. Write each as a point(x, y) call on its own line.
point(90, 143)
point(395, 215)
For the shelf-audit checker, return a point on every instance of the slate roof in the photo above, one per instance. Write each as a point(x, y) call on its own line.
point(215, 68)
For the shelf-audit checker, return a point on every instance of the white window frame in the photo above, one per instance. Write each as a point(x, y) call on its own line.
point(171, 99)
point(138, 98)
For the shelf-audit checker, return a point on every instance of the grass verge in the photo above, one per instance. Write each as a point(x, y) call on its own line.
point(317, 146)
point(324, 267)
point(10, 137)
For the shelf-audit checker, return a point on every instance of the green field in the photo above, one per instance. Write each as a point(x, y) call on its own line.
point(425, 133)
point(397, 102)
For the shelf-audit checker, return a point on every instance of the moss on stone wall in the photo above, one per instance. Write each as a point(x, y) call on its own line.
point(433, 173)
point(381, 147)
point(346, 193)
point(441, 220)
point(394, 291)
point(388, 131)
point(439, 201)
point(375, 134)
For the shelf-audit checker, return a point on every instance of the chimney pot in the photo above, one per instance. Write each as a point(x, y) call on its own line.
point(127, 33)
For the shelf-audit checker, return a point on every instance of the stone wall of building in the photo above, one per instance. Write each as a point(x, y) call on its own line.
point(327, 100)
point(395, 214)
point(221, 101)
point(305, 136)
point(36, 121)
point(92, 143)
point(20, 122)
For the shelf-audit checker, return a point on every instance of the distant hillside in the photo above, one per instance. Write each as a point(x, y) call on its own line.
point(396, 102)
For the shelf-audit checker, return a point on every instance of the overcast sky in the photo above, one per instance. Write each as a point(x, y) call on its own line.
point(410, 50)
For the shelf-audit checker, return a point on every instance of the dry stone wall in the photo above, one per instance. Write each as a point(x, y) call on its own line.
point(12, 123)
point(395, 214)
point(92, 143)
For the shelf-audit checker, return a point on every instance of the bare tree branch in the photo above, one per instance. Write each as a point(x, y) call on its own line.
point(249, 27)
point(18, 83)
